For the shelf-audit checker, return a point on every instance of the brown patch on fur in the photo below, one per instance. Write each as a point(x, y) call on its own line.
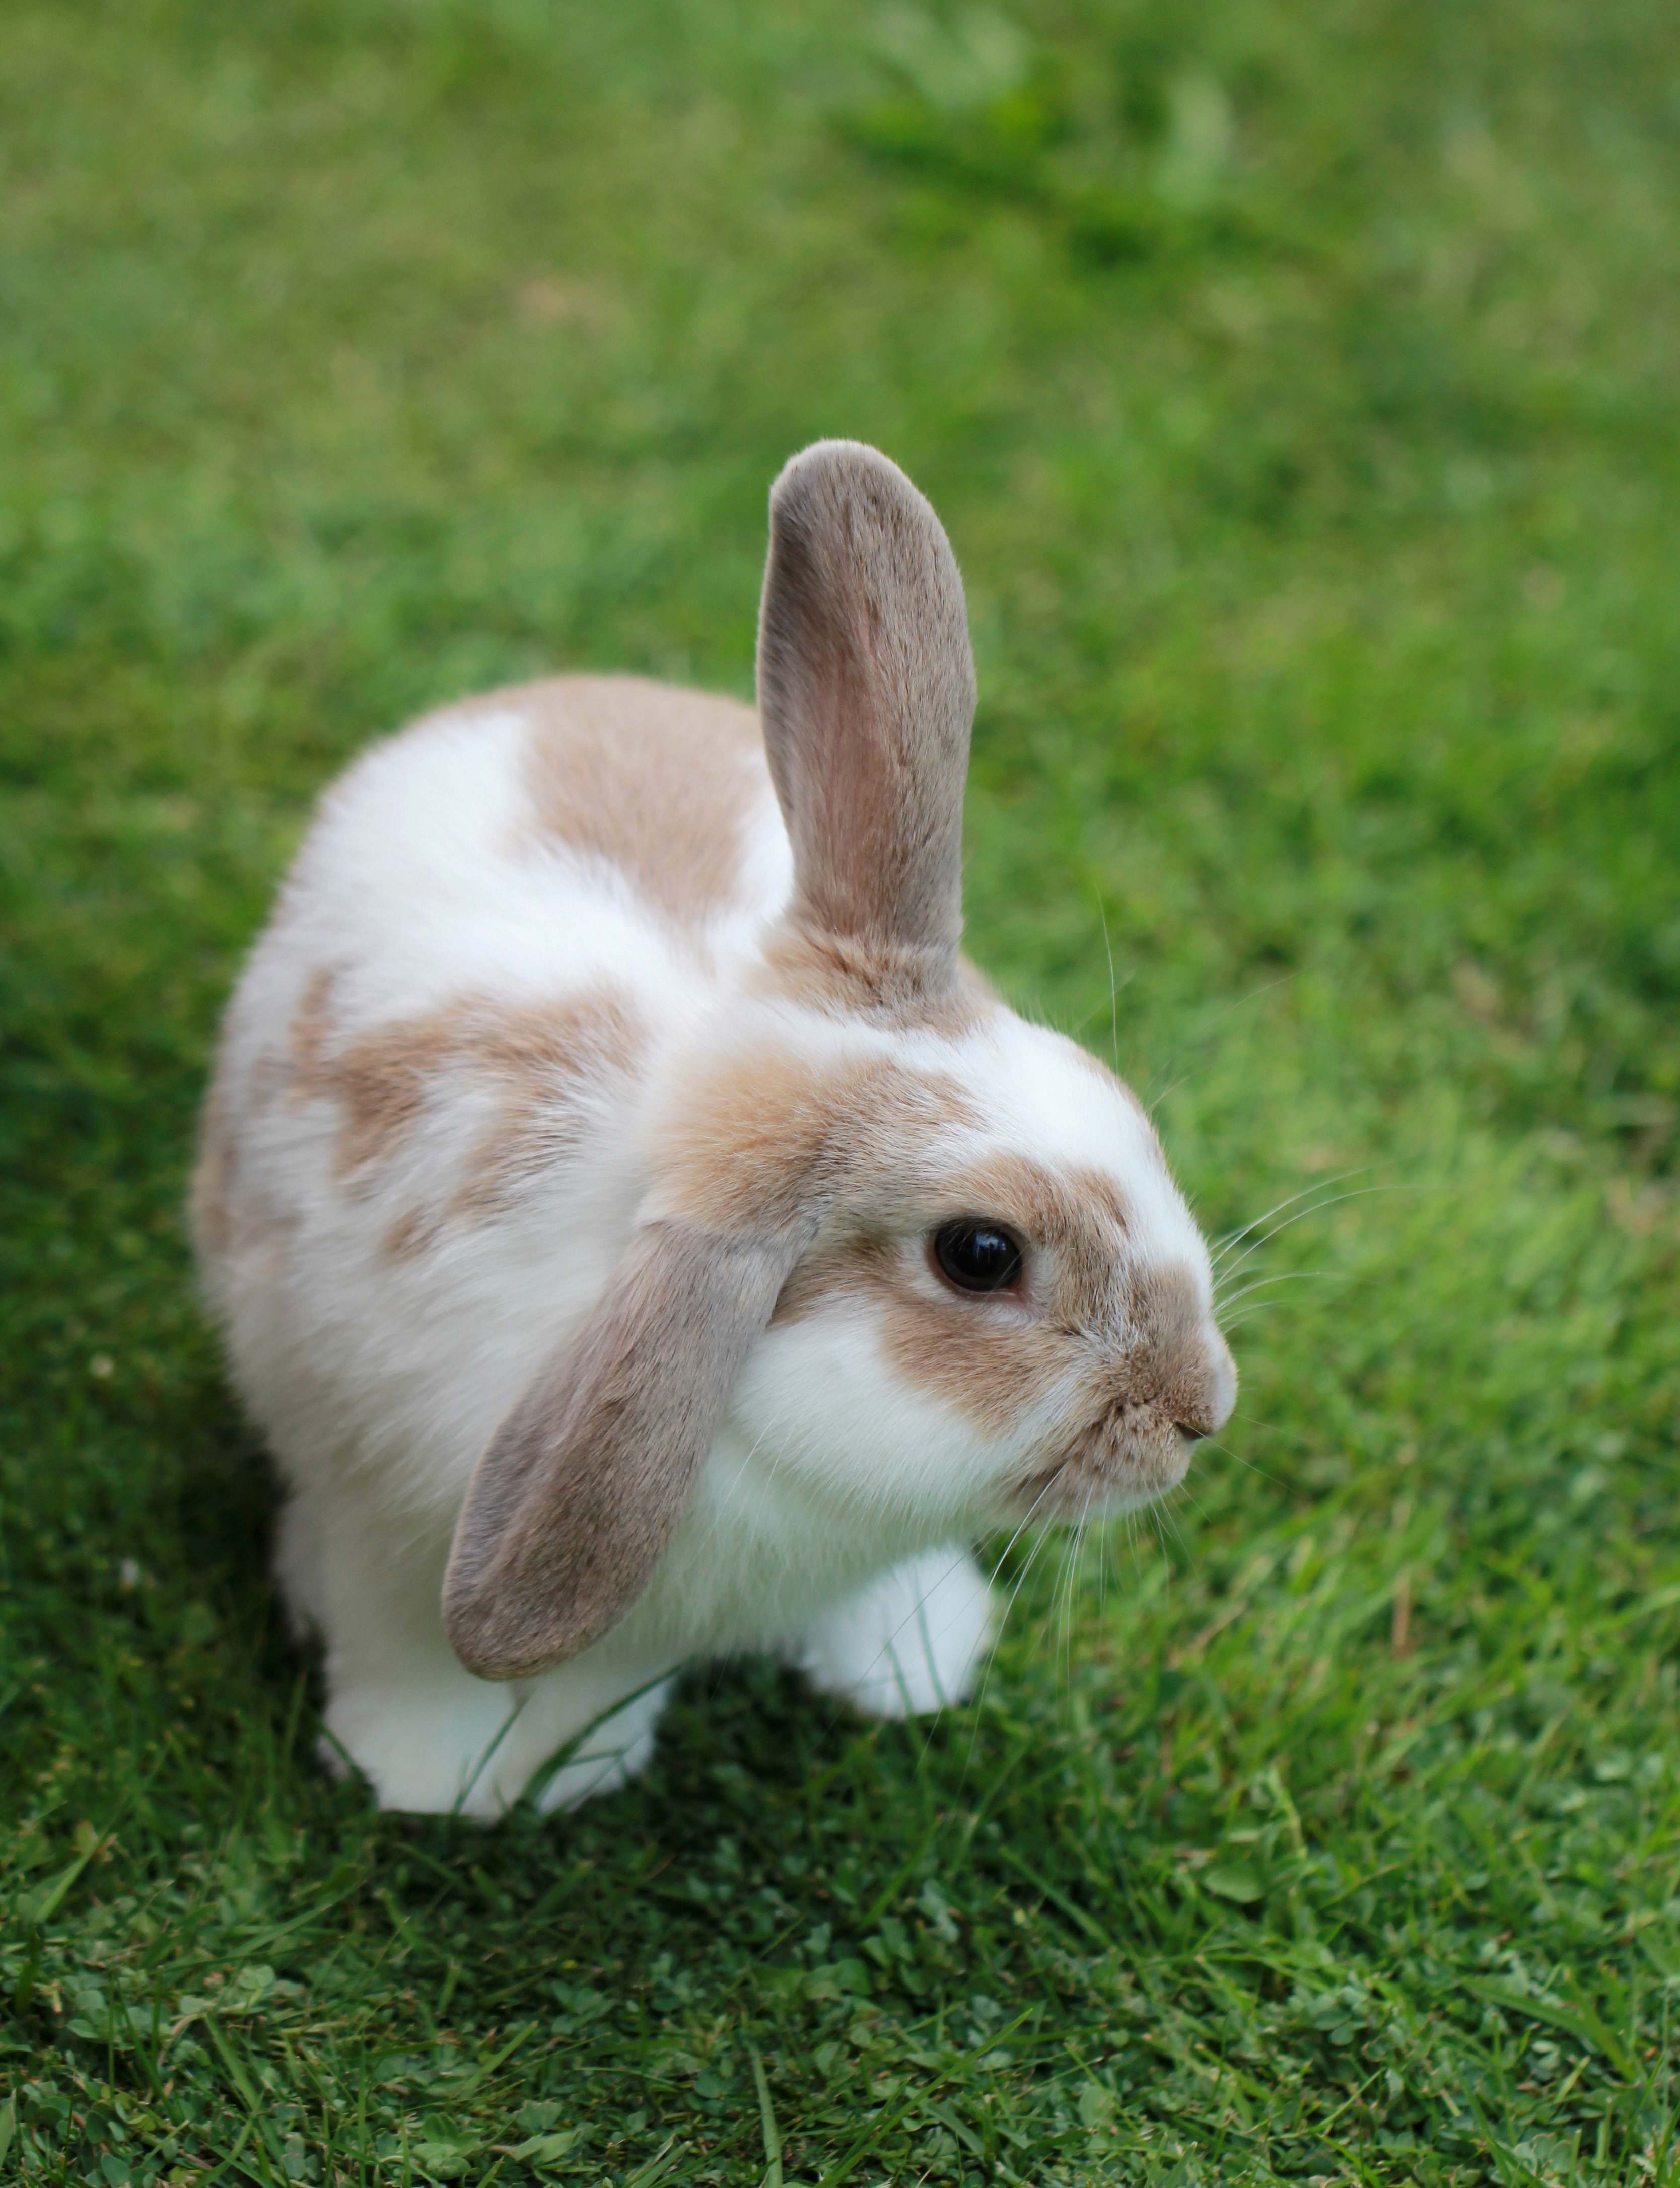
point(986, 1369)
point(769, 1140)
point(660, 782)
point(839, 977)
point(860, 1266)
point(412, 1232)
point(382, 1081)
point(312, 1027)
point(545, 1061)
point(542, 1058)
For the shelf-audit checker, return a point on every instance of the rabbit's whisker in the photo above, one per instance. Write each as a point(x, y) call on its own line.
point(1294, 1276)
point(1360, 1192)
point(1228, 1240)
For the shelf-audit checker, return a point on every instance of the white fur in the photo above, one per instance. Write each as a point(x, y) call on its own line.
point(822, 1522)
point(911, 1642)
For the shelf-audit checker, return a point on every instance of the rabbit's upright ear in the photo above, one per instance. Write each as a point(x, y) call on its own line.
point(867, 696)
point(583, 1483)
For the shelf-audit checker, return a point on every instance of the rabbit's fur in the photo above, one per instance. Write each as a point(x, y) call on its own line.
point(579, 1131)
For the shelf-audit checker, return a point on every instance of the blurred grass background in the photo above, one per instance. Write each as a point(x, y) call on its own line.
point(1298, 385)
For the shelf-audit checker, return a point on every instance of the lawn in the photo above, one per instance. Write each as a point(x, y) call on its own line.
point(1298, 385)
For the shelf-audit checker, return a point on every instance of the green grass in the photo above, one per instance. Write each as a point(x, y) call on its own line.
point(1297, 382)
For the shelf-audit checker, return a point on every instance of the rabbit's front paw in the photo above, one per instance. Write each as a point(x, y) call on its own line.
point(911, 1642)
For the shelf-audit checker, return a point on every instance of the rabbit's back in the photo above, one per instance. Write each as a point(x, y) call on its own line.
point(669, 788)
point(538, 832)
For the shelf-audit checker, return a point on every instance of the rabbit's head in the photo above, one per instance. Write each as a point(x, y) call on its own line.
point(928, 1256)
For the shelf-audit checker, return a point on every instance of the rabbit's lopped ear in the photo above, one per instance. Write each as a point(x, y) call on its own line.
point(583, 1485)
point(866, 696)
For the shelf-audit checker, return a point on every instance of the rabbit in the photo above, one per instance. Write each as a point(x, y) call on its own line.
point(637, 1231)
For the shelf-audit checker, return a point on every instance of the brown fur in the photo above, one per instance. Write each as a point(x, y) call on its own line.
point(543, 1058)
point(537, 1056)
point(661, 782)
point(539, 1123)
point(313, 1026)
point(379, 1079)
point(769, 1136)
point(840, 978)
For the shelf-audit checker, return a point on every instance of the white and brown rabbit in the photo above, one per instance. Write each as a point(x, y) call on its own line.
point(637, 1231)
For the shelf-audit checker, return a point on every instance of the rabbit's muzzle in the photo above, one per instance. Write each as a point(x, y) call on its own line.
point(1149, 1409)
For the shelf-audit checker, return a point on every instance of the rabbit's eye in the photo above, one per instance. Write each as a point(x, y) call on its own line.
point(977, 1256)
